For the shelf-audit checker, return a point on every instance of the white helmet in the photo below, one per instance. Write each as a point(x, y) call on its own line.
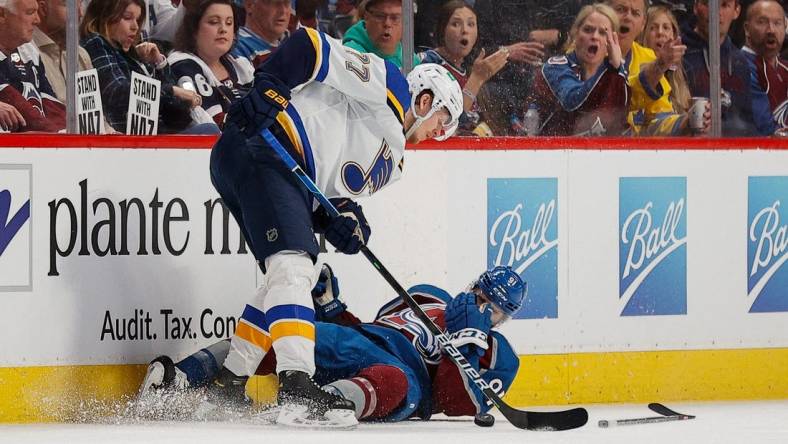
point(446, 93)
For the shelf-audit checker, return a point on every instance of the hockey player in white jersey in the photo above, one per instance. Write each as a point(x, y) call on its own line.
point(345, 116)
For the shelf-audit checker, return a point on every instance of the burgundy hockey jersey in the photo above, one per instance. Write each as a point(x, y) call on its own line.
point(23, 84)
point(571, 106)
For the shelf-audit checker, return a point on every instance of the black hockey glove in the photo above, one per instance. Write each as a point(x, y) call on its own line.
point(259, 107)
point(349, 231)
point(468, 324)
point(325, 296)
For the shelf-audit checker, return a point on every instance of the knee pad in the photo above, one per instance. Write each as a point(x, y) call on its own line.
point(291, 269)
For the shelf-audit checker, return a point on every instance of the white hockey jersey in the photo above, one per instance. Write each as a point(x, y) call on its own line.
point(344, 120)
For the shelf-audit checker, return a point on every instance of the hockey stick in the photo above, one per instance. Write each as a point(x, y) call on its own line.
point(560, 420)
point(667, 416)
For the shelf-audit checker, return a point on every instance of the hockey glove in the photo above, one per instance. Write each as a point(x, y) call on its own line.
point(325, 296)
point(349, 231)
point(260, 106)
point(468, 324)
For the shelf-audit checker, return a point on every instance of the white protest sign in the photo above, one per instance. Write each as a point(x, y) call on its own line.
point(143, 115)
point(90, 114)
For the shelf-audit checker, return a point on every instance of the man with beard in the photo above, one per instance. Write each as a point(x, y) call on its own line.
point(765, 32)
point(745, 107)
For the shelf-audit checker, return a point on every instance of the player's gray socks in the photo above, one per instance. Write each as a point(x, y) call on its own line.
point(364, 398)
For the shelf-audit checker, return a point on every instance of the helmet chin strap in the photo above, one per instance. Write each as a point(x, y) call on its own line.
point(419, 121)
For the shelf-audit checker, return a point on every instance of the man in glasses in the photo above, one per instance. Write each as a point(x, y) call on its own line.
point(392, 368)
point(380, 31)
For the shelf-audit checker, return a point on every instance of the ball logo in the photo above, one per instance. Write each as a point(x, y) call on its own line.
point(15, 232)
point(522, 227)
point(767, 244)
point(652, 245)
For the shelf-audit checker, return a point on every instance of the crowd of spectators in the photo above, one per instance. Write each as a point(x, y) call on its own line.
point(526, 67)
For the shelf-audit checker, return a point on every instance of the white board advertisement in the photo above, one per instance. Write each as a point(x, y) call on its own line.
point(132, 256)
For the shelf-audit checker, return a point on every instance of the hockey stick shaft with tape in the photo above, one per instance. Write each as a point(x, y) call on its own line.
point(561, 420)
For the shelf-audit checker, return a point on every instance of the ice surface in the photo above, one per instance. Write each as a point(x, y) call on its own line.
point(722, 422)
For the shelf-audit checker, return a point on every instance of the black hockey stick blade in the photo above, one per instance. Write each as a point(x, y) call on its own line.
point(547, 421)
point(665, 411)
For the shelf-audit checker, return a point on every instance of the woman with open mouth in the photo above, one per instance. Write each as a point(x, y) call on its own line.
point(662, 29)
point(202, 61)
point(457, 33)
point(585, 92)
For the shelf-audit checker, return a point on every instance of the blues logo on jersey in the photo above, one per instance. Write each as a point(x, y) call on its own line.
point(357, 180)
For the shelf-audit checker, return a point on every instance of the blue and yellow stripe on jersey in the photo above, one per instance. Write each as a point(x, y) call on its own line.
point(293, 127)
point(253, 328)
point(291, 320)
point(322, 50)
point(397, 91)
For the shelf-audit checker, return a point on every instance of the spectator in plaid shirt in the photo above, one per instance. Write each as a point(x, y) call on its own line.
point(110, 31)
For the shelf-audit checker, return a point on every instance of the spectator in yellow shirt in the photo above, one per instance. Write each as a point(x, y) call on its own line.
point(651, 111)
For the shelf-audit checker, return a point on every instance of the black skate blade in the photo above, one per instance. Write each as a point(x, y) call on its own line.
point(298, 416)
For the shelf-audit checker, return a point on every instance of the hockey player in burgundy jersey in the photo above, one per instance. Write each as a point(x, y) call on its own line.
point(392, 368)
point(585, 92)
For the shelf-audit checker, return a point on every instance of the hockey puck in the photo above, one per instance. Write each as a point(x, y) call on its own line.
point(484, 420)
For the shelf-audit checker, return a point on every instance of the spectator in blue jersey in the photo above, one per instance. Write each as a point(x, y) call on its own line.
point(110, 33)
point(585, 92)
point(379, 32)
point(23, 82)
point(265, 29)
point(378, 365)
point(745, 107)
point(457, 33)
point(202, 61)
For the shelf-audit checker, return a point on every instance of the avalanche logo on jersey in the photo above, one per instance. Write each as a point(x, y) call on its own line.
point(522, 227)
point(357, 180)
point(15, 233)
point(652, 245)
point(781, 116)
point(409, 324)
point(767, 244)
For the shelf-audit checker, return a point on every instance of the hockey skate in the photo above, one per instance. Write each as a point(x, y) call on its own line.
point(158, 394)
point(304, 404)
point(225, 398)
point(162, 375)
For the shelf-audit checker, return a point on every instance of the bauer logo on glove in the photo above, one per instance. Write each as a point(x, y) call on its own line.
point(276, 97)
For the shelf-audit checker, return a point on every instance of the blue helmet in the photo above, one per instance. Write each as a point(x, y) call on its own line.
point(504, 288)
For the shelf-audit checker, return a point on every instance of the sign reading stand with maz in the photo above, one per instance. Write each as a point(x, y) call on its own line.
point(522, 232)
point(652, 243)
point(767, 244)
point(90, 114)
point(143, 116)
